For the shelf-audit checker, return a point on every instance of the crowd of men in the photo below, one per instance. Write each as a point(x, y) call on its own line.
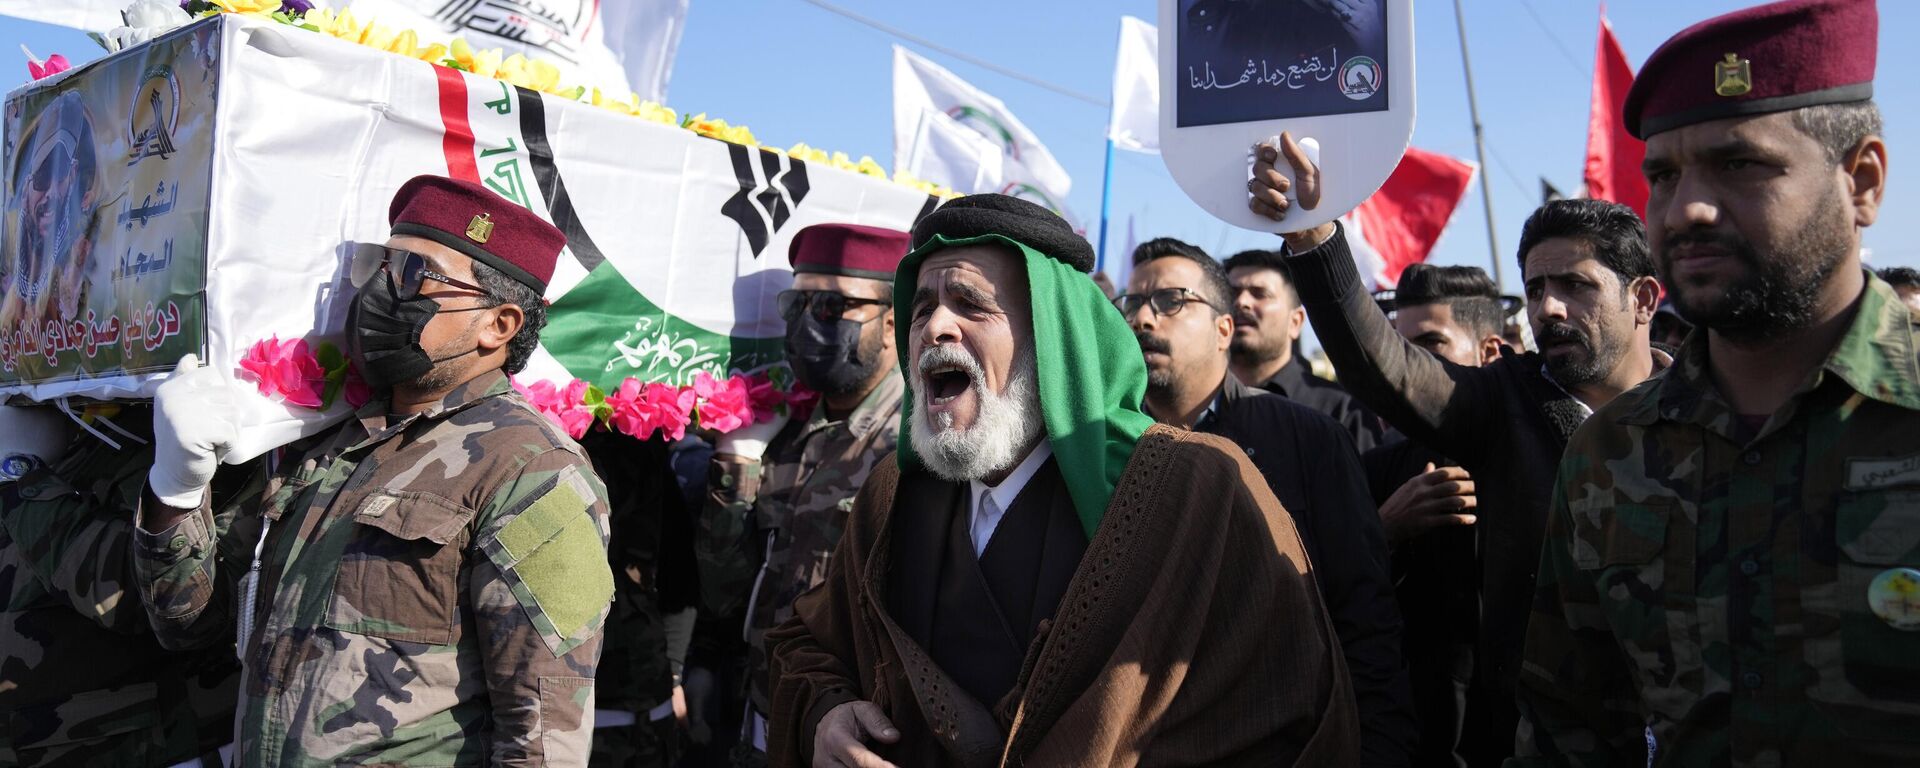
point(1034, 521)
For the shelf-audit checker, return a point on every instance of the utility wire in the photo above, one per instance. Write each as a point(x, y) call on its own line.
point(1572, 60)
point(1506, 169)
point(968, 58)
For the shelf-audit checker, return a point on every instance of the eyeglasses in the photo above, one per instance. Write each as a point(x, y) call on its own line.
point(1166, 302)
point(823, 305)
point(409, 270)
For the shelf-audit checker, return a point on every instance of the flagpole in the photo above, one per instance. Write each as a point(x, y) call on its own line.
point(1106, 204)
point(1479, 149)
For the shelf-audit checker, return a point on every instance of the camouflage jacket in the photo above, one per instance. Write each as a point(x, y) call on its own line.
point(82, 679)
point(768, 526)
point(431, 591)
point(1746, 601)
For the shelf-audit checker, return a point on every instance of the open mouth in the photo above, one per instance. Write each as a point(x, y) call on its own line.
point(946, 382)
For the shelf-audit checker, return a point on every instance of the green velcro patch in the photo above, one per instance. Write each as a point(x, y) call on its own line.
point(568, 576)
point(545, 518)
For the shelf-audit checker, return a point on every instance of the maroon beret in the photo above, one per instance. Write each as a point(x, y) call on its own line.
point(1770, 58)
point(471, 219)
point(848, 249)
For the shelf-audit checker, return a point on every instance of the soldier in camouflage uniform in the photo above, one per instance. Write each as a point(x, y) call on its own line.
point(770, 522)
point(85, 682)
point(430, 578)
point(1731, 574)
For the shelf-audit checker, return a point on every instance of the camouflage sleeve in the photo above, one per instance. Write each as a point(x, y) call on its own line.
point(1577, 699)
point(180, 585)
point(723, 545)
point(541, 595)
point(79, 546)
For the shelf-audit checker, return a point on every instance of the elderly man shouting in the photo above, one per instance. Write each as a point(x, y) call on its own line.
point(1045, 577)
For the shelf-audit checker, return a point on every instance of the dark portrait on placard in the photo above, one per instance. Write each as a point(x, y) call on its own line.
point(1246, 60)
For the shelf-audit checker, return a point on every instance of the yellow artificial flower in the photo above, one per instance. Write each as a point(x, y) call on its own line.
point(871, 168)
point(606, 102)
point(377, 36)
point(249, 7)
point(341, 25)
point(403, 43)
point(842, 162)
point(657, 113)
point(434, 53)
point(810, 154)
point(483, 63)
point(718, 129)
point(531, 74)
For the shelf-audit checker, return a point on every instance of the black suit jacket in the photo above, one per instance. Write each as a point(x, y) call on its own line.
point(1311, 466)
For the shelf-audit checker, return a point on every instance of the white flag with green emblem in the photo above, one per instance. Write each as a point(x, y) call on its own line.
point(924, 93)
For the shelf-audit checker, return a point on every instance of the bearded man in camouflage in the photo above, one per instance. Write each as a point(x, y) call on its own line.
point(430, 577)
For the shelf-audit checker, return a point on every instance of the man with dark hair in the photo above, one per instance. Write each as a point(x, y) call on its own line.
point(1267, 321)
point(1427, 505)
point(1905, 282)
point(1730, 574)
point(1591, 294)
point(1453, 312)
point(430, 577)
point(1176, 306)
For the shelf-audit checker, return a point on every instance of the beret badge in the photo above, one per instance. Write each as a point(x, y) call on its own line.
point(480, 228)
point(1732, 76)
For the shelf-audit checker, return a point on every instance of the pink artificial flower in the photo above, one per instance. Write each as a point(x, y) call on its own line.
point(673, 408)
point(728, 407)
point(800, 402)
point(566, 408)
point(706, 386)
point(355, 389)
point(54, 65)
point(630, 414)
point(764, 397)
point(285, 370)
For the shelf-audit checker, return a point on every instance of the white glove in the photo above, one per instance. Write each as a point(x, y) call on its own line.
point(192, 431)
point(750, 440)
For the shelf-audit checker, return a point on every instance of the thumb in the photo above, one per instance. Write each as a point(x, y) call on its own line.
point(1306, 175)
point(1428, 469)
point(875, 724)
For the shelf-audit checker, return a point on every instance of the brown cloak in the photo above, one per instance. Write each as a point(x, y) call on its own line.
point(1191, 634)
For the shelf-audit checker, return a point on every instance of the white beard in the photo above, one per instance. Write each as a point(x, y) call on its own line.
point(1009, 421)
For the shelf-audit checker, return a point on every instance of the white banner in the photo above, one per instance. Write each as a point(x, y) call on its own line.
point(677, 243)
point(1136, 88)
point(617, 46)
point(90, 15)
point(921, 86)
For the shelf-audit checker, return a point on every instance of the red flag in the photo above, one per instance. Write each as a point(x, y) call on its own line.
point(1613, 155)
point(1400, 224)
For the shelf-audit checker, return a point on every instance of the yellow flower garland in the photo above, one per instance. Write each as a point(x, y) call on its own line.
point(541, 75)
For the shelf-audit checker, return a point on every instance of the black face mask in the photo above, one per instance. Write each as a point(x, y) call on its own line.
point(383, 334)
point(826, 356)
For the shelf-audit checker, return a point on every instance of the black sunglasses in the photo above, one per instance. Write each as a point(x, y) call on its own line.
point(409, 270)
point(823, 305)
point(1165, 302)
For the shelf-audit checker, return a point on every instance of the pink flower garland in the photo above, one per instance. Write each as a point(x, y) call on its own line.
point(642, 409)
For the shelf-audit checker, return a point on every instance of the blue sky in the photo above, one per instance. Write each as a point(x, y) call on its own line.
point(795, 72)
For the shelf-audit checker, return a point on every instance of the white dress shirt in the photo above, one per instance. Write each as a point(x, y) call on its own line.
point(989, 503)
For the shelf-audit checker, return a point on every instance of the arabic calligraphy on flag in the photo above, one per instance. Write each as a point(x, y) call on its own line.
point(1245, 60)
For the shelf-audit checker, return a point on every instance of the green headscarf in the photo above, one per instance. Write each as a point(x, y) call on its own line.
point(1091, 374)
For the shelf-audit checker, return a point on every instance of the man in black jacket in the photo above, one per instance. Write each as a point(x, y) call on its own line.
point(1591, 295)
point(1267, 321)
point(1176, 303)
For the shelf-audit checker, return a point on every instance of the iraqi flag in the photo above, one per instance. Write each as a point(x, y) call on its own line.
point(1400, 224)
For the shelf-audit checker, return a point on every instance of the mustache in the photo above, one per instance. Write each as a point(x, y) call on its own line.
point(1731, 243)
point(1558, 332)
point(948, 354)
point(1150, 343)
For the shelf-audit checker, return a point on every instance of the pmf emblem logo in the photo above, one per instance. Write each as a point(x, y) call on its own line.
point(1360, 78)
point(153, 116)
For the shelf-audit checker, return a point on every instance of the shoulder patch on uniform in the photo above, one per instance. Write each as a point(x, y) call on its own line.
point(556, 554)
point(1867, 474)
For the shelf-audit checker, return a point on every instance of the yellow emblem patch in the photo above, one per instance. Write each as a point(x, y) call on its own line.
point(1732, 76)
point(480, 228)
